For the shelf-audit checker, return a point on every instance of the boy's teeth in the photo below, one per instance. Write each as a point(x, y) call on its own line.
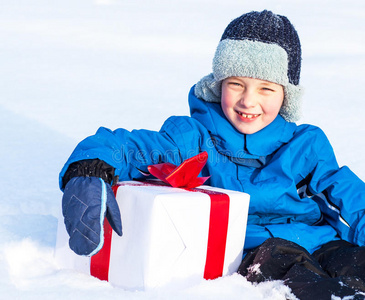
point(249, 116)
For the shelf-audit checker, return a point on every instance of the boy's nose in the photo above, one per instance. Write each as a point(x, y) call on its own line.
point(248, 99)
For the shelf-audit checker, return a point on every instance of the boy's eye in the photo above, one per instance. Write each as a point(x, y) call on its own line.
point(235, 83)
point(268, 89)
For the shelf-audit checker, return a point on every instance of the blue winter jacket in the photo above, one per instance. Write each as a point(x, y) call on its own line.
point(298, 192)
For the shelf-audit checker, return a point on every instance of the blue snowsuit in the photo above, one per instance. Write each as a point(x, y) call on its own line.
point(298, 192)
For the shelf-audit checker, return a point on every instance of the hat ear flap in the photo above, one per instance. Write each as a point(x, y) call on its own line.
point(291, 110)
point(208, 89)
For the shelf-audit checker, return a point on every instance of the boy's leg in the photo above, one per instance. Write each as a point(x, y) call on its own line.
point(341, 258)
point(274, 258)
point(345, 261)
point(278, 259)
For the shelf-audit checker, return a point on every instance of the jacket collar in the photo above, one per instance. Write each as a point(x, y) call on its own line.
point(231, 142)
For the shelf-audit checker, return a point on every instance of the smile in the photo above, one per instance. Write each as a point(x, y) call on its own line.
point(248, 116)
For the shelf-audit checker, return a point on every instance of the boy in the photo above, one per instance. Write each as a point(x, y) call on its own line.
point(305, 221)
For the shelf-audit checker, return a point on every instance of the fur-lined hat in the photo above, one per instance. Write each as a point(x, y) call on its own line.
point(259, 45)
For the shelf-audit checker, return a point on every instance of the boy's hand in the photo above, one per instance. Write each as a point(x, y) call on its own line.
point(85, 203)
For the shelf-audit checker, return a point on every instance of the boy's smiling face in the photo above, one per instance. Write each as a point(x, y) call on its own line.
point(250, 104)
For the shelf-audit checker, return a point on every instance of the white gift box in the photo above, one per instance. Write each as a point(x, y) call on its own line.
point(169, 234)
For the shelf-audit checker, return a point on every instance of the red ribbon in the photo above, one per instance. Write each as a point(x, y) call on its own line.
point(218, 220)
point(184, 175)
point(99, 264)
point(217, 236)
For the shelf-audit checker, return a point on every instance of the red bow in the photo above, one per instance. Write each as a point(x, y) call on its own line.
point(184, 175)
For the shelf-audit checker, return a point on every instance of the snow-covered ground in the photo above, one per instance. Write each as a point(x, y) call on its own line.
point(68, 67)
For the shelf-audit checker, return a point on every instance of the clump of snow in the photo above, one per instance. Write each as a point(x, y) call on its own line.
point(32, 272)
point(254, 269)
point(69, 67)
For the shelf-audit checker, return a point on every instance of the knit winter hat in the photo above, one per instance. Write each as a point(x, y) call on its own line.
point(259, 45)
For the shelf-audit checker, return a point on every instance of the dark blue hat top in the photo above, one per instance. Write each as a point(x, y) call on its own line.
point(269, 28)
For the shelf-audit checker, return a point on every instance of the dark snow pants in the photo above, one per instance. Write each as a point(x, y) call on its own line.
point(338, 268)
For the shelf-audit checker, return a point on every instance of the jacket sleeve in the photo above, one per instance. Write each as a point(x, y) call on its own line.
point(339, 193)
point(129, 153)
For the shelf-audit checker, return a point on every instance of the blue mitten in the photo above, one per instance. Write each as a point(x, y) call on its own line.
point(85, 203)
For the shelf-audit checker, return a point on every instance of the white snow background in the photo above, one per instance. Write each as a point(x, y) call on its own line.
point(68, 67)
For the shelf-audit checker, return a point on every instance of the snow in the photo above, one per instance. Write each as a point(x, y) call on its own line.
point(68, 67)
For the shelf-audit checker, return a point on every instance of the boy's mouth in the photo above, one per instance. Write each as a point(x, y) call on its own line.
point(248, 116)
